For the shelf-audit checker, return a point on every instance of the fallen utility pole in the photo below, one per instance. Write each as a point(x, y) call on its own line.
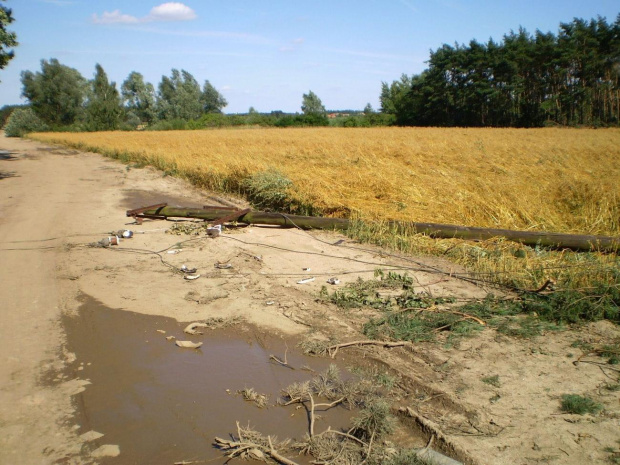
point(446, 231)
point(211, 213)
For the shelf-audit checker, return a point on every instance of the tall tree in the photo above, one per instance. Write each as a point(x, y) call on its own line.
point(179, 97)
point(104, 108)
point(7, 38)
point(212, 101)
point(311, 104)
point(56, 93)
point(526, 80)
point(139, 97)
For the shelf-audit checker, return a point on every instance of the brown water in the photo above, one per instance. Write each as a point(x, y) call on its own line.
point(163, 404)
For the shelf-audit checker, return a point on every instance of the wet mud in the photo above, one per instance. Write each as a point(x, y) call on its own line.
point(162, 404)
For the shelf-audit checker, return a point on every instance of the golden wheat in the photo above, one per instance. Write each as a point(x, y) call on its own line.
point(565, 180)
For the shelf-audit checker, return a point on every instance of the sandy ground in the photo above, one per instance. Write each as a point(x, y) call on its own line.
point(56, 203)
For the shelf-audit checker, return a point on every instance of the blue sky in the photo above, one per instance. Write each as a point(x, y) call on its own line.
point(268, 53)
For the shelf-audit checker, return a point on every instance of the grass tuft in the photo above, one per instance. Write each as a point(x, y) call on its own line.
point(579, 405)
point(492, 380)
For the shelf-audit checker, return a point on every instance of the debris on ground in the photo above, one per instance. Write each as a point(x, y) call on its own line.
point(191, 328)
point(191, 277)
point(223, 266)
point(307, 280)
point(124, 233)
point(108, 241)
point(107, 450)
point(214, 231)
point(91, 435)
point(187, 270)
point(188, 344)
point(251, 395)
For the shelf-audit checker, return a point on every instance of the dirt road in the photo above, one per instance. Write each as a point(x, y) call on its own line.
point(57, 203)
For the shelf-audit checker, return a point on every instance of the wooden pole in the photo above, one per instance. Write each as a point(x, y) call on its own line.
point(446, 231)
point(252, 217)
point(532, 238)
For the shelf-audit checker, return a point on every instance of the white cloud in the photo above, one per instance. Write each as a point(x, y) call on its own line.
point(170, 11)
point(114, 17)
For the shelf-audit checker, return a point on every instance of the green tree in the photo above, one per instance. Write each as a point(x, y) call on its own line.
point(56, 93)
point(212, 101)
point(22, 121)
point(392, 95)
point(103, 109)
point(525, 80)
point(7, 38)
point(179, 97)
point(311, 104)
point(139, 97)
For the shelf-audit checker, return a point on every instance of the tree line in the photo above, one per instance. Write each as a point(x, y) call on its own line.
point(569, 78)
point(61, 97)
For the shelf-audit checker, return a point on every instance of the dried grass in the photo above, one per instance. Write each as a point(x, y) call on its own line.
point(554, 179)
point(563, 180)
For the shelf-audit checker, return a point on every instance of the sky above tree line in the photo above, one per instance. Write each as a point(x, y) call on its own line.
point(267, 53)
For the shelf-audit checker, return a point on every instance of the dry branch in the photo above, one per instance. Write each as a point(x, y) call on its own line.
point(433, 429)
point(346, 435)
point(465, 316)
point(251, 448)
point(280, 361)
point(333, 350)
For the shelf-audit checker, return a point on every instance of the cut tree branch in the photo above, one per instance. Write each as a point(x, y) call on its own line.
point(333, 350)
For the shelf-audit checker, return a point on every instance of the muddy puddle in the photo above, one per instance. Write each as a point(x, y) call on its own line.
point(162, 404)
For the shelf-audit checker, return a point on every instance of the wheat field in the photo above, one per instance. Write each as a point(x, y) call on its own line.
point(555, 179)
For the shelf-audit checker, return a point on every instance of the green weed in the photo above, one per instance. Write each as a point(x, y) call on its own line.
point(573, 403)
point(374, 420)
point(492, 380)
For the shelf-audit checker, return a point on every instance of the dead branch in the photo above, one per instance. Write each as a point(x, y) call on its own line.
point(333, 404)
point(333, 350)
point(250, 449)
point(311, 415)
point(465, 316)
point(276, 456)
point(282, 362)
point(549, 283)
point(346, 435)
point(293, 401)
point(433, 429)
point(369, 450)
point(606, 365)
point(441, 328)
